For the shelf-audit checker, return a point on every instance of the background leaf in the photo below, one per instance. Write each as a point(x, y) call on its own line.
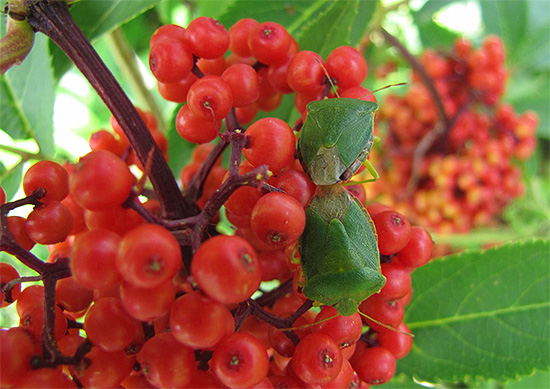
point(96, 18)
point(282, 12)
point(11, 179)
point(481, 315)
point(330, 29)
point(28, 94)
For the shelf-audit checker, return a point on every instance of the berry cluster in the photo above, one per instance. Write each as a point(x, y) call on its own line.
point(467, 175)
point(168, 303)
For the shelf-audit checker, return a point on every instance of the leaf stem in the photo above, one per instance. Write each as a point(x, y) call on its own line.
point(126, 60)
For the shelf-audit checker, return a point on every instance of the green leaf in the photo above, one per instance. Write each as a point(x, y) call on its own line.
point(425, 14)
point(330, 29)
point(27, 95)
point(179, 150)
point(507, 19)
point(434, 35)
point(365, 11)
point(11, 179)
point(282, 12)
point(533, 53)
point(481, 315)
point(96, 18)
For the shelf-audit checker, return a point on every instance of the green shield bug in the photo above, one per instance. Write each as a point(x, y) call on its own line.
point(338, 251)
point(335, 139)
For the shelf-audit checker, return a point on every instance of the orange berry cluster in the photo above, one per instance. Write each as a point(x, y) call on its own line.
point(467, 176)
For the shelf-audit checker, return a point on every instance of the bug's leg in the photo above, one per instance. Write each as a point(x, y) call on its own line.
point(371, 170)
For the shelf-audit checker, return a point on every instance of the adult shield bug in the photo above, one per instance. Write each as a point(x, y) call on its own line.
point(335, 139)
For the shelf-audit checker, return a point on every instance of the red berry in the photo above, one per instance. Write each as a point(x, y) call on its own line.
point(49, 223)
point(109, 326)
point(269, 43)
point(272, 142)
point(305, 72)
point(93, 259)
point(48, 175)
point(240, 360)
point(148, 256)
point(397, 343)
point(317, 359)
point(278, 219)
point(195, 129)
point(226, 269)
point(418, 250)
point(394, 231)
point(398, 281)
point(376, 366)
point(244, 84)
point(101, 180)
point(210, 98)
point(170, 60)
point(239, 34)
point(207, 37)
point(198, 321)
point(347, 66)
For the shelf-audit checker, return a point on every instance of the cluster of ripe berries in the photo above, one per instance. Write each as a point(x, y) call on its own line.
point(149, 323)
point(468, 175)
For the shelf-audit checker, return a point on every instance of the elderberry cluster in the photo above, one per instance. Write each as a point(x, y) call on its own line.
point(132, 298)
point(468, 173)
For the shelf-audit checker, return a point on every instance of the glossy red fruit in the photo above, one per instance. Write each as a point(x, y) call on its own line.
point(210, 98)
point(240, 360)
point(8, 273)
point(109, 326)
point(93, 259)
point(49, 223)
point(101, 180)
point(148, 256)
point(207, 37)
point(165, 362)
point(394, 231)
point(278, 219)
point(375, 366)
point(50, 176)
point(198, 321)
point(226, 269)
point(317, 359)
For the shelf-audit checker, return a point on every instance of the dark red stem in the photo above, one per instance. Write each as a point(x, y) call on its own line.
point(54, 20)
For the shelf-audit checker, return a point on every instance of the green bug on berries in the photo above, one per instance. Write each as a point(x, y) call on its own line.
point(339, 246)
point(335, 139)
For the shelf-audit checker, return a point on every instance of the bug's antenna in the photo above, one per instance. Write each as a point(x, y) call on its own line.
point(384, 87)
point(385, 325)
point(328, 77)
point(309, 324)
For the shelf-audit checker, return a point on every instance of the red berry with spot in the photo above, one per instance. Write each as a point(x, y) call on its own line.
point(269, 43)
point(226, 269)
point(148, 256)
point(50, 176)
point(317, 359)
point(210, 98)
point(376, 366)
point(278, 219)
point(207, 38)
point(240, 360)
point(393, 230)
